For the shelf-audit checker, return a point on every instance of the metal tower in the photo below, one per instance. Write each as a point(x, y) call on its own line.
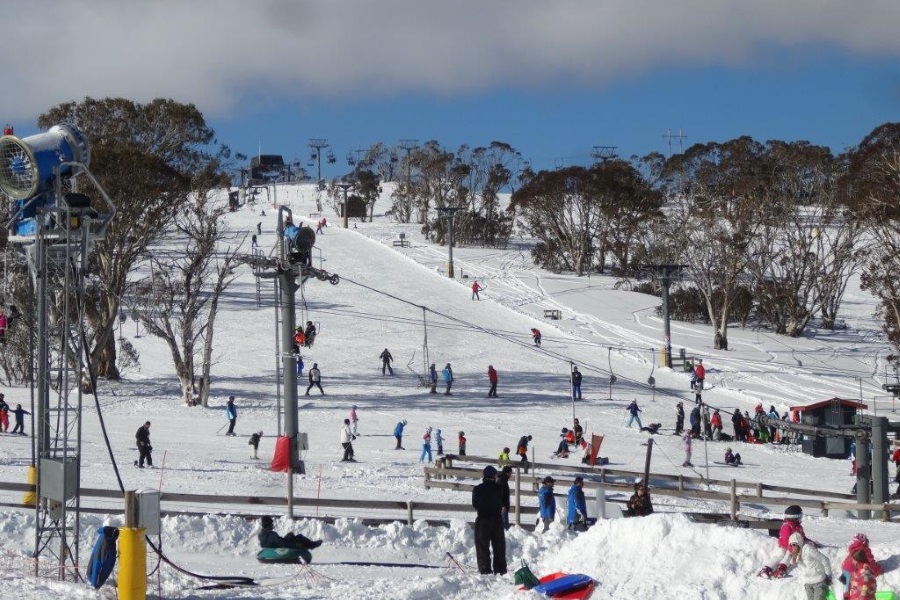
point(56, 232)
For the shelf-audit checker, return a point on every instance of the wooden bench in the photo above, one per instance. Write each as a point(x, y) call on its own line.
point(553, 314)
point(315, 215)
point(402, 243)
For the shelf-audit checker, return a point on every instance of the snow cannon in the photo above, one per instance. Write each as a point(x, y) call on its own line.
point(28, 166)
point(299, 242)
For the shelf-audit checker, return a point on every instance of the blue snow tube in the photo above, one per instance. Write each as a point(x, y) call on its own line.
point(284, 555)
point(103, 556)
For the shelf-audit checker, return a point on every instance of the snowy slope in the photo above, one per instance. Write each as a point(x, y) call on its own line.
point(379, 304)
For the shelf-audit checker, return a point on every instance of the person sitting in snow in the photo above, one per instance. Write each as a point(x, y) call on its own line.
point(731, 458)
point(860, 543)
point(861, 581)
point(268, 538)
point(639, 505)
point(790, 526)
point(562, 451)
point(813, 568)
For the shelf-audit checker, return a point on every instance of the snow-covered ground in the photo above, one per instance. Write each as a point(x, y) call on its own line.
point(377, 305)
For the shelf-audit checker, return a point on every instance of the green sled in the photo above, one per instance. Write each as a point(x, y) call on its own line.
point(284, 555)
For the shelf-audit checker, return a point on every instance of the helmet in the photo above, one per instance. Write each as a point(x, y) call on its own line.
point(793, 512)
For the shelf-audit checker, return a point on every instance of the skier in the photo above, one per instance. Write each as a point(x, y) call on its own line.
point(448, 378)
point(536, 336)
point(433, 378)
point(347, 438)
point(576, 376)
point(354, 420)
point(522, 451)
point(300, 365)
point(732, 459)
point(386, 359)
point(231, 415)
point(254, 444)
point(310, 334)
point(315, 377)
point(633, 410)
point(700, 372)
point(487, 500)
point(492, 379)
point(269, 539)
point(547, 502)
point(398, 433)
point(19, 413)
point(142, 437)
point(679, 418)
point(695, 421)
point(577, 518)
point(439, 441)
point(716, 422)
point(253, 242)
point(426, 445)
point(687, 449)
point(475, 289)
point(462, 443)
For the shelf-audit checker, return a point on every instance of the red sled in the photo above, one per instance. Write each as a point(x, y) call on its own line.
point(566, 586)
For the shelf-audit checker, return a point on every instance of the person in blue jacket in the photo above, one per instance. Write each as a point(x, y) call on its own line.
point(398, 433)
point(448, 378)
point(547, 502)
point(577, 519)
point(633, 410)
point(231, 415)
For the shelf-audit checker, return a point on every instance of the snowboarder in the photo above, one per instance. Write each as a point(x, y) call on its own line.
point(731, 458)
point(536, 336)
point(439, 441)
point(492, 379)
point(433, 378)
point(254, 444)
point(639, 505)
point(475, 289)
point(315, 377)
point(142, 437)
point(576, 377)
point(426, 445)
point(633, 410)
point(679, 418)
point(522, 451)
point(547, 502)
point(577, 518)
point(398, 434)
point(269, 539)
point(310, 334)
point(386, 359)
point(19, 413)
point(347, 438)
point(700, 373)
point(231, 415)
point(688, 439)
point(814, 569)
point(461, 440)
point(487, 500)
point(448, 378)
point(354, 420)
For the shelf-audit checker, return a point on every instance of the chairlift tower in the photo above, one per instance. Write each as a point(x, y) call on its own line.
point(317, 145)
point(56, 230)
point(604, 153)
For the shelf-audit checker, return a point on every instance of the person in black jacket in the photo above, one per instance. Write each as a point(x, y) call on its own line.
point(576, 383)
point(386, 359)
point(487, 499)
point(503, 480)
point(142, 437)
point(736, 421)
point(679, 418)
point(268, 538)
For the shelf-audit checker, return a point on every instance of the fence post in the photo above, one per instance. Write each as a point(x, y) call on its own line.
point(681, 483)
point(759, 490)
point(518, 495)
point(734, 500)
point(409, 512)
point(427, 479)
point(886, 512)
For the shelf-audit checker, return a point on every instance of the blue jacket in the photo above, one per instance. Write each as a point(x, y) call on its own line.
point(577, 503)
point(448, 376)
point(433, 375)
point(398, 430)
point(547, 502)
point(230, 411)
point(633, 408)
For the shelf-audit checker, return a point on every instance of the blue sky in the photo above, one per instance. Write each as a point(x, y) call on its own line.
point(552, 79)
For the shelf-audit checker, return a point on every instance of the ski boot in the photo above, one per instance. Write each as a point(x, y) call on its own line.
point(765, 572)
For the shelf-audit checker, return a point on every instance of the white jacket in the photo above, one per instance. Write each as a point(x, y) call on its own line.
point(812, 566)
point(346, 436)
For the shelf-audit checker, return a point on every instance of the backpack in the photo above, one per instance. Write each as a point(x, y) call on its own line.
point(524, 577)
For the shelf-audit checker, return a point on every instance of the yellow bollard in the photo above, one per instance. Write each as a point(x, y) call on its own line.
point(30, 498)
point(664, 355)
point(132, 564)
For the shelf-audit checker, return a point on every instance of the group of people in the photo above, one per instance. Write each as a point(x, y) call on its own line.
point(446, 376)
point(19, 414)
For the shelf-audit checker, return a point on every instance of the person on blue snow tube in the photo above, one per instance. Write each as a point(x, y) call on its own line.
point(268, 538)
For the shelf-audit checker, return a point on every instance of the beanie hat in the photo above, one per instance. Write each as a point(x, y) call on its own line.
point(489, 472)
point(860, 538)
point(796, 539)
point(267, 522)
point(548, 480)
point(793, 512)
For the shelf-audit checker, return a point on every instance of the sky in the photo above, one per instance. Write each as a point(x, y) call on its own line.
point(603, 330)
point(552, 79)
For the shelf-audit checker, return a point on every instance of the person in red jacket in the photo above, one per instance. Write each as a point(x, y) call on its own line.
point(859, 543)
point(791, 525)
point(700, 374)
point(716, 423)
point(475, 289)
point(492, 378)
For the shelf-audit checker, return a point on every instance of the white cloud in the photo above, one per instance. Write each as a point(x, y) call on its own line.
point(217, 52)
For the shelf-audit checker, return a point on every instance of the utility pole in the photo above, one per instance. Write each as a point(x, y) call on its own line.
point(449, 212)
point(604, 153)
point(408, 146)
point(666, 274)
point(669, 136)
point(344, 185)
point(317, 145)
